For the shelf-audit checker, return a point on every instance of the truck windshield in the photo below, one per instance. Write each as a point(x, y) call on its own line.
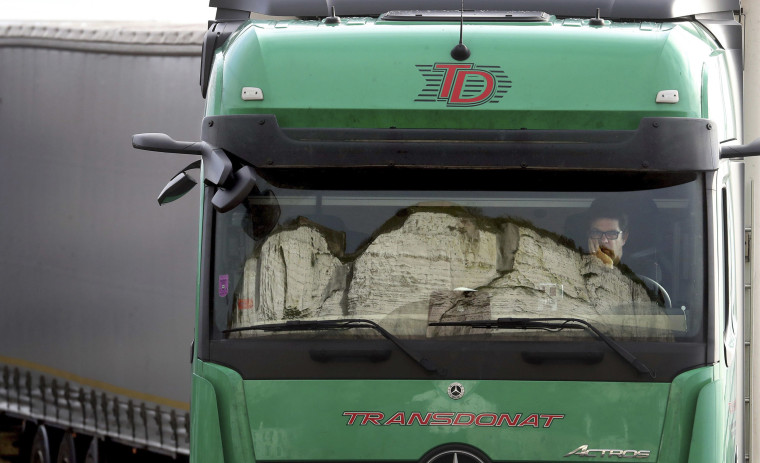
point(629, 261)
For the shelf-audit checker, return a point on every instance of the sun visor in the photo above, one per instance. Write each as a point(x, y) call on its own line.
point(658, 144)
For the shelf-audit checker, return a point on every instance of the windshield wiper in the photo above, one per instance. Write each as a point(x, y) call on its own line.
point(342, 324)
point(552, 324)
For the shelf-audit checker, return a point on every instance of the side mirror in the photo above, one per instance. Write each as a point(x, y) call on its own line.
point(232, 187)
point(179, 185)
point(740, 151)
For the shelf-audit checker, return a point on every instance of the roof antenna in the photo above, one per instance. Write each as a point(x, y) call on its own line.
point(598, 21)
point(332, 19)
point(460, 52)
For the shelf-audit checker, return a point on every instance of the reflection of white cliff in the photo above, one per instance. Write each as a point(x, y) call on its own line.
point(430, 252)
point(295, 274)
point(299, 273)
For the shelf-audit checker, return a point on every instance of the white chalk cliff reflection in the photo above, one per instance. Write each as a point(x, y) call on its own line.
point(429, 264)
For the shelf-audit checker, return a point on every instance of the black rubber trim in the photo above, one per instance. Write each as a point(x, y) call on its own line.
point(467, 15)
point(712, 282)
point(658, 144)
point(216, 35)
point(545, 358)
point(345, 355)
point(206, 291)
point(264, 358)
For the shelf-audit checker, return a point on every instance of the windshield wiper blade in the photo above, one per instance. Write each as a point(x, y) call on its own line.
point(557, 323)
point(341, 324)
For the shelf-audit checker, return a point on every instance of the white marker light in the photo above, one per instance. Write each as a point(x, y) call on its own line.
point(252, 94)
point(667, 96)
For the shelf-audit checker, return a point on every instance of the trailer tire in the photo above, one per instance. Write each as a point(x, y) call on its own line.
point(39, 451)
point(67, 450)
point(93, 452)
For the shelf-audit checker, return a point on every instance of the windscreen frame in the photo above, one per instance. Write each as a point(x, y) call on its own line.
point(225, 353)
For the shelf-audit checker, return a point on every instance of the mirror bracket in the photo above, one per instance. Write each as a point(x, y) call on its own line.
point(217, 168)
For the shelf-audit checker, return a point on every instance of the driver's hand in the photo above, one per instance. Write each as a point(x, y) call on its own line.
point(593, 246)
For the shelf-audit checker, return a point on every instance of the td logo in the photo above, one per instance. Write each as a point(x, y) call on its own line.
point(463, 84)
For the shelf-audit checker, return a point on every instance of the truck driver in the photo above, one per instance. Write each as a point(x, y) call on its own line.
point(607, 232)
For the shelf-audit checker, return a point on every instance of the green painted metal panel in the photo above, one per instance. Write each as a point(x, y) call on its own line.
point(509, 421)
point(205, 438)
point(708, 433)
point(233, 419)
point(557, 75)
point(679, 419)
point(314, 420)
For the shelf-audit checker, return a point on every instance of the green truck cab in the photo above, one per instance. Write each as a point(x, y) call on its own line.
point(469, 235)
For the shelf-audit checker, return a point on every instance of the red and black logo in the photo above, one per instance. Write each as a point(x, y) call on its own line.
point(463, 84)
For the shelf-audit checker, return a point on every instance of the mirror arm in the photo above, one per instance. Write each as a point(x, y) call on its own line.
point(740, 151)
point(165, 144)
point(218, 167)
point(225, 199)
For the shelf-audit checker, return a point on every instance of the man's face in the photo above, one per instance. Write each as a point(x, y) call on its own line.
point(607, 226)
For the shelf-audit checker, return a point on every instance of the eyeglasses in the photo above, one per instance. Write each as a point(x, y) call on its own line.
point(611, 235)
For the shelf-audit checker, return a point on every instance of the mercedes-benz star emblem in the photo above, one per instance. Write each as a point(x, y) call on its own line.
point(456, 391)
point(455, 453)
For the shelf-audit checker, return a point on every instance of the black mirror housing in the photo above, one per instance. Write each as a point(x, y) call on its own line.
point(176, 188)
point(179, 185)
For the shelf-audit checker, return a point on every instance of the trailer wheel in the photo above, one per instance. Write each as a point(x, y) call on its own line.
point(67, 450)
point(40, 449)
point(93, 452)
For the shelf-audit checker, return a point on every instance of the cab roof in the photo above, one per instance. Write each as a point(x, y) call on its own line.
point(609, 9)
point(370, 73)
